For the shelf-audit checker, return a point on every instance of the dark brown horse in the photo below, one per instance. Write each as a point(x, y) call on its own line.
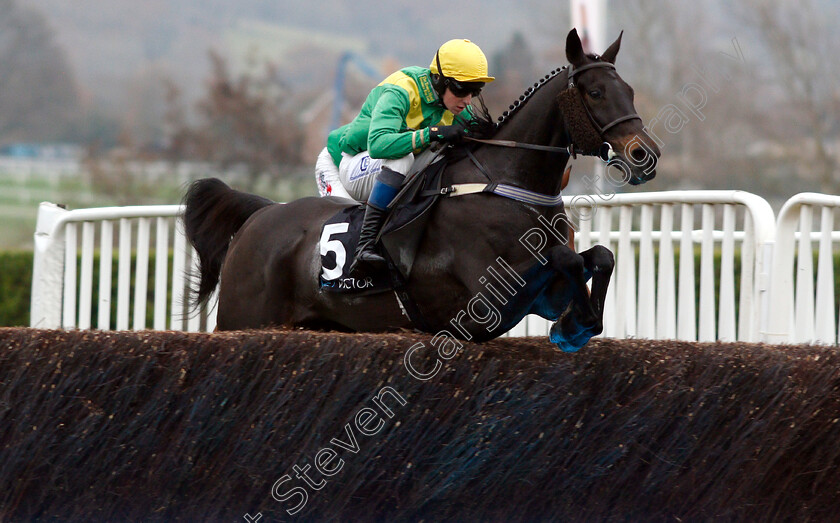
point(484, 262)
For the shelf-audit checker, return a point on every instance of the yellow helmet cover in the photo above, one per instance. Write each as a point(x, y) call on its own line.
point(462, 60)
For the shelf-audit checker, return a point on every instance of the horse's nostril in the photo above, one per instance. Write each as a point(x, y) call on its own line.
point(639, 154)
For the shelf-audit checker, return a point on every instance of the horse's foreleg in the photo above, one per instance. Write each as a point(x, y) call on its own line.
point(598, 264)
point(582, 312)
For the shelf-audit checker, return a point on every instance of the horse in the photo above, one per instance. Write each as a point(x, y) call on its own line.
point(485, 261)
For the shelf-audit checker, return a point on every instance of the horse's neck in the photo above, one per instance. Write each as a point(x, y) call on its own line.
point(537, 121)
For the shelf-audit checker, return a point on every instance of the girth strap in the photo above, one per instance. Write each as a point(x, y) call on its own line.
point(507, 191)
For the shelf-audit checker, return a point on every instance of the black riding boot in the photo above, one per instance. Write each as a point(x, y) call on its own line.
point(385, 188)
point(366, 248)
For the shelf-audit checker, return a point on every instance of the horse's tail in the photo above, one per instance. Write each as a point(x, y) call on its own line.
point(213, 212)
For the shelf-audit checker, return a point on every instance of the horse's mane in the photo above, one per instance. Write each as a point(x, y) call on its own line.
point(514, 107)
point(482, 124)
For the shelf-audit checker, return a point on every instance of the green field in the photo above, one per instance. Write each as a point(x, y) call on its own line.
point(20, 196)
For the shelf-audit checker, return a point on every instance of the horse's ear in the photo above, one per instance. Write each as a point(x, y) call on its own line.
point(574, 49)
point(612, 50)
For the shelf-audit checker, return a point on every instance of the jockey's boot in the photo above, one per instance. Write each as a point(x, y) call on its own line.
point(385, 188)
point(366, 248)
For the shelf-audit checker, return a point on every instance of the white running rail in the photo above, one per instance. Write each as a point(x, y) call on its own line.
point(656, 290)
point(652, 294)
point(801, 313)
point(60, 299)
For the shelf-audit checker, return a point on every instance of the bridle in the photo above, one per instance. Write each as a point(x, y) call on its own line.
point(605, 152)
point(601, 130)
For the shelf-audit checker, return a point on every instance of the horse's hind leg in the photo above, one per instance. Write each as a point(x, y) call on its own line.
point(583, 316)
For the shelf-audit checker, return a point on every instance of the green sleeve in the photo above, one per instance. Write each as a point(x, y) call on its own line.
point(388, 138)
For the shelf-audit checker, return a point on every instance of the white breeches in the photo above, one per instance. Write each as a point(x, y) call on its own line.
point(355, 176)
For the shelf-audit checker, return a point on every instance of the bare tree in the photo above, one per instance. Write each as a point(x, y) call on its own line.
point(243, 121)
point(37, 91)
point(666, 43)
point(801, 41)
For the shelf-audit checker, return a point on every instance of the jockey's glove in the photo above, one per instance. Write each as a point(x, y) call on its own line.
point(446, 133)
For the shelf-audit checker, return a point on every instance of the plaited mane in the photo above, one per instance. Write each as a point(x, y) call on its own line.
point(514, 107)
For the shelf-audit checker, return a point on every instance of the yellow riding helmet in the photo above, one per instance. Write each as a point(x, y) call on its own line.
point(462, 60)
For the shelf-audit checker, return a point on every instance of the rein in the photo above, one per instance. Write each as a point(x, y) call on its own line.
point(570, 150)
point(520, 145)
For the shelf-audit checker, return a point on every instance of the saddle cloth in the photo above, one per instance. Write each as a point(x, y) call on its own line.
point(400, 236)
point(339, 237)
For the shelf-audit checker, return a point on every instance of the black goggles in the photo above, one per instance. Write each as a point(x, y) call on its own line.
point(464, 89)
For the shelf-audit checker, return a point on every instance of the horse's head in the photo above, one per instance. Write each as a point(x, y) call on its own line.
point(600, 117)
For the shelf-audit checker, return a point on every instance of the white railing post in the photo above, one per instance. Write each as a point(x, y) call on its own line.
point(68, 315)
point(646, 312)
point(666, 302)
point(141, 280)
point(780, 307)
point(626, 276)
point(106, 255)
point(687, 308)
point(179, 268)
point(161, 268)
point(747, 323)
point(706, 328)
point(124, 275)
point(86, 276)
point(726, 303)
point(47, 269)
point(824, 321)
point(604, 227)
point(804, 324)
point(762, 229)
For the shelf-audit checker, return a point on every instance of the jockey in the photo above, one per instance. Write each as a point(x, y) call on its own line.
point(368, 158)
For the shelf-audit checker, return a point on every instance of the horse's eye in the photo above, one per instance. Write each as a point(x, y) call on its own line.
point(595, 93)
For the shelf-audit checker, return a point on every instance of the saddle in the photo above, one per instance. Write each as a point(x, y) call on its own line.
point(399, 237)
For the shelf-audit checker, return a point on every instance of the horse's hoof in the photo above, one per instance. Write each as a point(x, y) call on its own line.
point(569, 345)
point(570, 336)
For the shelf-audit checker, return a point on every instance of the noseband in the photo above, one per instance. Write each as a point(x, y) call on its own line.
point(601, 130)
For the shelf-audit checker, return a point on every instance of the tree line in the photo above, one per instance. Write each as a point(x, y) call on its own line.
point(773, 119)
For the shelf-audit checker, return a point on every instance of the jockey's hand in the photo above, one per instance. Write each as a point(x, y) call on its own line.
point(446, 133)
